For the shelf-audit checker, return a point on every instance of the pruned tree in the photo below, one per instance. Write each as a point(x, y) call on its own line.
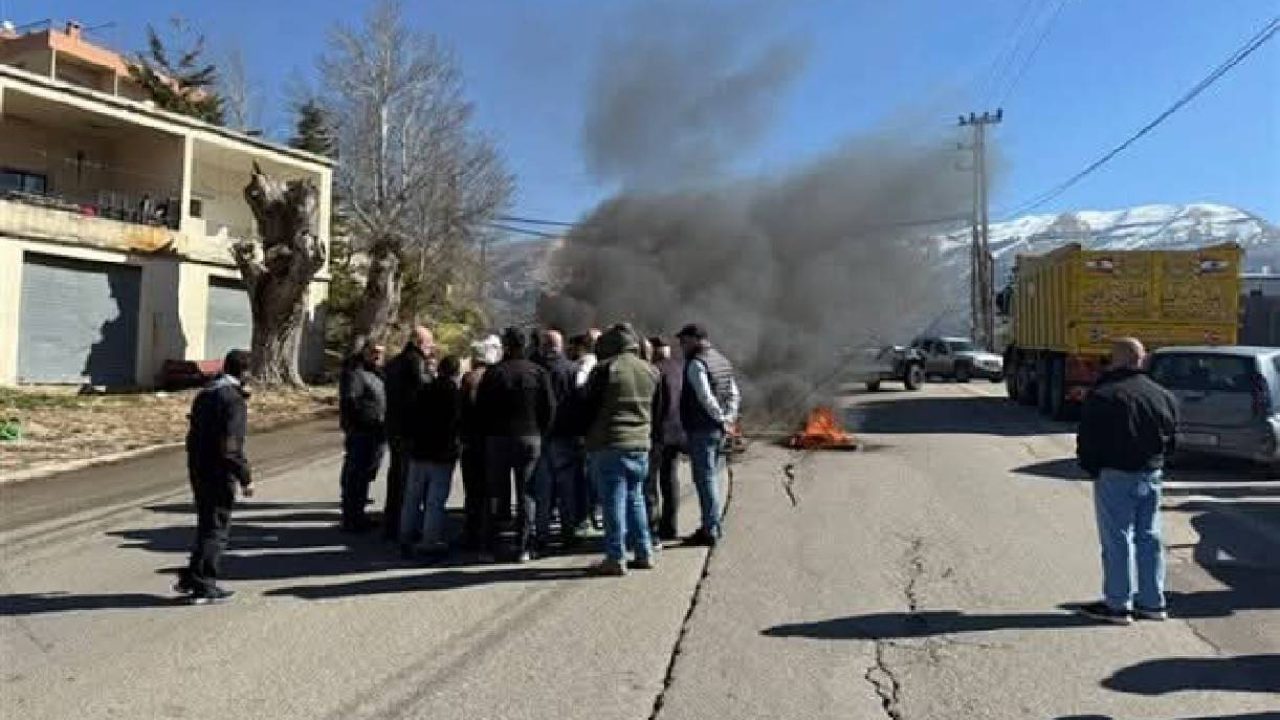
point(414, 172)
point(182, 83)
point(277, 270)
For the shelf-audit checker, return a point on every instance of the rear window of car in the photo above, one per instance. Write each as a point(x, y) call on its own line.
point(1204, 373)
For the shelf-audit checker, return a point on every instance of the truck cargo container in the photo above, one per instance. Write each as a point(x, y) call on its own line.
point(1067, 306)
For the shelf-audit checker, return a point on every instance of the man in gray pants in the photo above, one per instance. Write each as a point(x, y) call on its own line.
point(516, 406)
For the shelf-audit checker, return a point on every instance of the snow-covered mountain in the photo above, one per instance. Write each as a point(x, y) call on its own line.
point(1146, 227)
point(520, 268)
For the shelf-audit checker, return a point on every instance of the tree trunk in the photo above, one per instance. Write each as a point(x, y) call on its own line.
point(278, 272)
point(381, 294)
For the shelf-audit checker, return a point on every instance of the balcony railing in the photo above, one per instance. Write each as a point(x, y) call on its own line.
point(50, 218)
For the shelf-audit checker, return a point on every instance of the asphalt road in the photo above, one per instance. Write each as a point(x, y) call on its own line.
point(921, 578)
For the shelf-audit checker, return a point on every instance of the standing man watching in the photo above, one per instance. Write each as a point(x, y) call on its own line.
point(618, 406)
point(1127, 429)
point(663, 488)
point(362, 412)
point(476, 497)
point(516, 406)
point(216, 464)
point(559, 463)
point(407, 374)
point(709, 401)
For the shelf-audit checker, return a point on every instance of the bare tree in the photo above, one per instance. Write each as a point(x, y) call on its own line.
point(413, 172)
point(240, 99)
point(278, 272)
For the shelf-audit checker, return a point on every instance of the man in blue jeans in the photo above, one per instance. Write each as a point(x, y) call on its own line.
point(709, 401)
point(618, 409)
point(1127, 429)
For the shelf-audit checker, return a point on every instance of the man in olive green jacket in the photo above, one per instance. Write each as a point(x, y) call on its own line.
point(620, 398)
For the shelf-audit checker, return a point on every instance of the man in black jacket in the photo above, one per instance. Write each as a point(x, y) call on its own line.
point(215, 465)
point(562, 451)
point(1127, 429)
point(516, 407)
point(406, 374)
point(662, 490)
point(362, 413)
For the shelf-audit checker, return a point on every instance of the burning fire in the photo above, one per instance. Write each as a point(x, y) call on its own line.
point(822, 430)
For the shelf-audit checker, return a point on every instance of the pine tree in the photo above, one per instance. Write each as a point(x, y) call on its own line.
point(185, 86)
point(314, 131)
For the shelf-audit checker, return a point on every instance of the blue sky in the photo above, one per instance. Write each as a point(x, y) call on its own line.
point(1104, 69)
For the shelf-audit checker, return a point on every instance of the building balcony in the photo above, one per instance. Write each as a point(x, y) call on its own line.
point(43, 217)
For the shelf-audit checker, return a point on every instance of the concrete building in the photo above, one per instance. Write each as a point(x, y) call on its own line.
point(116, 222)
point(1260, 310)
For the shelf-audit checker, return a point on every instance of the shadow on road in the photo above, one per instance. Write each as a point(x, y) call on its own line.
point(1250, 673)
point(1237, 548)
point(438, 580)
point(55, 602)
point(883, 626)
point(1060, 469)
point(960, 415)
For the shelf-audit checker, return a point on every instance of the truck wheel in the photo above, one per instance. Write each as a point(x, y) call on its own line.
point(874, 386)
point(915, 378)
point(1057, 389)
point(962, 373)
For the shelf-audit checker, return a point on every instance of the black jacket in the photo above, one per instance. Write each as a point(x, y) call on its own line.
point(362, 400)
point(515, 400)
point(563, 375)
point(437, 412)
point(215, 438)
point(1128, 423)
point(406, 374)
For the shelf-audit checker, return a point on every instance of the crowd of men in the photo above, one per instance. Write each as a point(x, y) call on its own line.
point(583, 437)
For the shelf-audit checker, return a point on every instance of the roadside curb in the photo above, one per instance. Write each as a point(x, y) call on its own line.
point(48, 470)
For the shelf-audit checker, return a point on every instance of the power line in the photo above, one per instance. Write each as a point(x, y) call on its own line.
point(1026, 63)
point(522, 231)
point(1262, 36)
point(535, 221)
point(1004, 59)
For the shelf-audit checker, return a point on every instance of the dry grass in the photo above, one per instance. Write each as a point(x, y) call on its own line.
point(59, 426)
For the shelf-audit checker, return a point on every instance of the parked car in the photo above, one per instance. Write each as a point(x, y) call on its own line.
point(892, 363)
point(959, 359)
point(1229, 397)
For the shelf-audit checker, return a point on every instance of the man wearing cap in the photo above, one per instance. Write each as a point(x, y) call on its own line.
point(709, 402)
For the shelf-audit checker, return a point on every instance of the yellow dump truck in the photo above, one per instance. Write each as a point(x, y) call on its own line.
point(1065, 308)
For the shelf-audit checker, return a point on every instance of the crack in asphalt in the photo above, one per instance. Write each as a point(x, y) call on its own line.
point(881, 675)
point(885, 682)
point(788, 485)
point(678, 648)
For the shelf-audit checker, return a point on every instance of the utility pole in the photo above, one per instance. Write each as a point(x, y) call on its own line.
point(981, 263)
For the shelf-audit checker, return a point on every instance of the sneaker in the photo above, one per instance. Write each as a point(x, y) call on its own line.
point(211, 596)
point(524, 557)
point(701, 538)
point(608, 568)
point(1105, 613)
point(1153, 614)
point(647, 562)
point(182, 588)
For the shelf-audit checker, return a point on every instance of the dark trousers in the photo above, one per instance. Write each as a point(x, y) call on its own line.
point(397, 471)
point(364, 453)
point(214, 499)
point(475, 486)
point(662, 491)
point(509, 459)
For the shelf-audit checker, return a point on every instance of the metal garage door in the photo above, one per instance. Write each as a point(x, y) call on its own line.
point(78, 322)
point(229, 323)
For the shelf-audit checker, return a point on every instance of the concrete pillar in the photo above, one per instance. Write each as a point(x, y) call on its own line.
point(188, 164)
point(10, 297)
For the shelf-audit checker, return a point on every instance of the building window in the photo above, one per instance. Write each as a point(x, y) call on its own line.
point(196, 210)
point(22, 181)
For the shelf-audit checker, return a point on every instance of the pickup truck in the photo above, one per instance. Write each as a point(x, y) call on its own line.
point(891, 363)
